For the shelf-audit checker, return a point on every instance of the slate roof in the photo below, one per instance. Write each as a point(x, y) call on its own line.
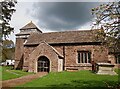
point(62, 37)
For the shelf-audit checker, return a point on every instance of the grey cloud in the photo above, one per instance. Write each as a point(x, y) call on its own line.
point(62, 15)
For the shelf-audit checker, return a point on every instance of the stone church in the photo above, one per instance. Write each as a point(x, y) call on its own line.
point(57, 51)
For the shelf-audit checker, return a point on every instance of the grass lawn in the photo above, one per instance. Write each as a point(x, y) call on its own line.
point(72, 80)
point(7, 73)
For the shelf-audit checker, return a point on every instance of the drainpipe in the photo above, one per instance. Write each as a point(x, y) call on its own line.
point(64, 57)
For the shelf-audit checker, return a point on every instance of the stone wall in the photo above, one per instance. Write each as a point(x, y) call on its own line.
point(30, 54)
point(43, 50)
point(27, 52)
point(98, 54)
point(111, 58)
point(19, 56)
point(59, 49)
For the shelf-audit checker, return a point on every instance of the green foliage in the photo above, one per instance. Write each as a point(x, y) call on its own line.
point(8, 43)
point(8, 53)
point(72, 80)
point(117, 71)
point(8, 50)
point(107, 17)
point(6, 11)
point(9, 73)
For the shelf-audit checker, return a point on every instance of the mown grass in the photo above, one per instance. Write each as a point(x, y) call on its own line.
point(117, 71)
point(72, 80)
point(8, 73)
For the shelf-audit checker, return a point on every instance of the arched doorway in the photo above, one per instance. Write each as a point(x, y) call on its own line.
point(43, 64)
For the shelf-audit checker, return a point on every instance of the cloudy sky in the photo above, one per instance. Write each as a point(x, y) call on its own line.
point(53, 16)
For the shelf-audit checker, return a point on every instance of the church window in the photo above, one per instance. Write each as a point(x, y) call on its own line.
point(84, 57)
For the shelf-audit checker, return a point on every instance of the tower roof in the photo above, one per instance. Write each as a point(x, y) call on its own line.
point(30, 25)
point(26, 30)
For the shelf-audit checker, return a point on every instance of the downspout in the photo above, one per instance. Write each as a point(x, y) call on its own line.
point(63, 57)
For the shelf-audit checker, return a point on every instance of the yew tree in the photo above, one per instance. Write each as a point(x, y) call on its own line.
point(107, 18)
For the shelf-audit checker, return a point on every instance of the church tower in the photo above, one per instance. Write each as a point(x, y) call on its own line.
point(21, 38)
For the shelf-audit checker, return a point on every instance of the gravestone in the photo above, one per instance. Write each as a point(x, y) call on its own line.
point(105, 68)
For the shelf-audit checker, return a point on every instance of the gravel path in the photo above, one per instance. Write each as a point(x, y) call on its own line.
point(22, 80)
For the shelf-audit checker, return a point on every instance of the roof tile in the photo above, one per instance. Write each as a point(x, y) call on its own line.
point(62, 37)
point(30, 25)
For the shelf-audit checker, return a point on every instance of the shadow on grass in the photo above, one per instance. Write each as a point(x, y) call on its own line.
point(76, 84)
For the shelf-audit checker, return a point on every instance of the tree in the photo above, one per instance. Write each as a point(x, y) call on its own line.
point(107, 17)
point(7, 8)
point(8, 50)
point(8, 44)
point(8, 53)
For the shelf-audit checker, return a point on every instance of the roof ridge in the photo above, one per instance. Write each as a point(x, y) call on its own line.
point(90, 30)
point(69, 31)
